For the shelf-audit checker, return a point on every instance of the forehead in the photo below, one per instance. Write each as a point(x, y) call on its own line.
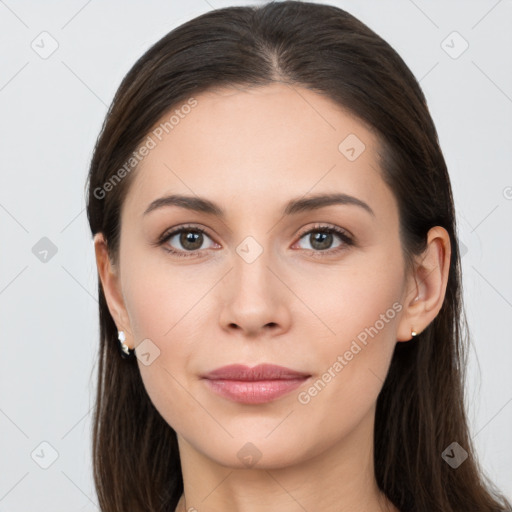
point(240, 146)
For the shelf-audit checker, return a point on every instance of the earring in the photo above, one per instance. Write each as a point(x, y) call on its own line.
point(413, 333)
point(126, 352)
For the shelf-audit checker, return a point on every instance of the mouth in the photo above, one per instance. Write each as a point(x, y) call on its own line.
point(260, 384)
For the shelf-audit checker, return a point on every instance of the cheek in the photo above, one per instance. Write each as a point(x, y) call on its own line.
point(356, 300)
point(161, 317)
point(360, 305)
point(165, 310)
point(160, 298)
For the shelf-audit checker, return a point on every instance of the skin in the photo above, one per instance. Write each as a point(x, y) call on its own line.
point(250, 151)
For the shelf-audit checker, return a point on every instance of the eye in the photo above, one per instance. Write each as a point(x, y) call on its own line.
point(190, 238)
point(321, 238)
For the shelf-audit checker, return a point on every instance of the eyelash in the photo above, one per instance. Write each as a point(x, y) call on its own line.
point(320, 228)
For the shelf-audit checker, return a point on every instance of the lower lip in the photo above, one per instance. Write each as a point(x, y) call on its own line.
point(254, 392)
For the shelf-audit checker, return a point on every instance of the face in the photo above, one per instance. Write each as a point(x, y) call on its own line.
point(277, 279)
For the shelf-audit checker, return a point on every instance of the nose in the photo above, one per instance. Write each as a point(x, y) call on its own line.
point(255, 300)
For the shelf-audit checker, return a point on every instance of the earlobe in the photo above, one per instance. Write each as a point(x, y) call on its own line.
point(111, 284)
point(430, 281)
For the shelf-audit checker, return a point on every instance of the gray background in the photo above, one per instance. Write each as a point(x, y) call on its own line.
point(51, 112)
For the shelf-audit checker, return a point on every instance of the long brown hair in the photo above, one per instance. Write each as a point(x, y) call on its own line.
point(420, 410)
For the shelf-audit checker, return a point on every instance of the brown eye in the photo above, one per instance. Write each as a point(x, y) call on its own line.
point(185, 241)
point(321, 239)
point(191, 240)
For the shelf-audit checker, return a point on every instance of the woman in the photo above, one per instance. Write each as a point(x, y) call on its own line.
point(279, 277)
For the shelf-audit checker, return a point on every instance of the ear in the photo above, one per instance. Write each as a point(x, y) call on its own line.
point(110, 281)
point(426, 288)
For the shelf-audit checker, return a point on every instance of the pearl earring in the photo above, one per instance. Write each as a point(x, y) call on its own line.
point(126, 352)
point(413, 333)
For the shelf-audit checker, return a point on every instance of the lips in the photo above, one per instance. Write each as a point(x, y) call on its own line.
point(257, 385)
point(261, 372)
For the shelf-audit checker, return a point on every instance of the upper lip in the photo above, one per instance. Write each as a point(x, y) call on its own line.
point(259, 372)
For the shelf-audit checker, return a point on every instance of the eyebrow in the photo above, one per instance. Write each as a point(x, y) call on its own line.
point(293, 206)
